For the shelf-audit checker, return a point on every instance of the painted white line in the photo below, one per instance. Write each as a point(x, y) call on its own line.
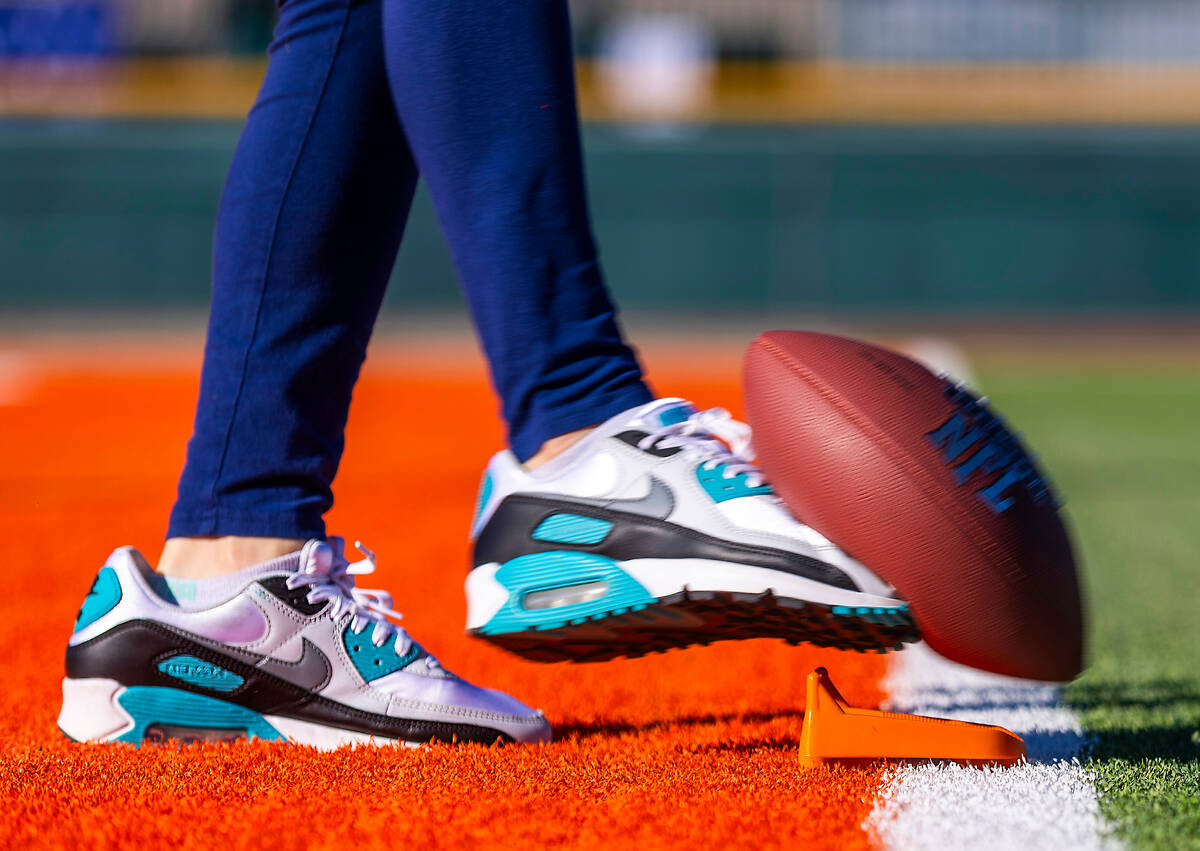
point(923, 682)
point(1027, 807)
point(1048, 803)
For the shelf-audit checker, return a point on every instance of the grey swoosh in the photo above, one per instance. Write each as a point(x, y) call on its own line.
point(311, 671)
point(659, 503)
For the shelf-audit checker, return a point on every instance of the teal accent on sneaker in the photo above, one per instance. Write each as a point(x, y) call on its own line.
point(721, 488)
point(889, 616)
point(672, 416)
point(373, 662)
point(572, 529)
point(536, 572)
point(485, 493)
point(101, 599)
point(148, 705)
point(179, 590)
point(197, 672)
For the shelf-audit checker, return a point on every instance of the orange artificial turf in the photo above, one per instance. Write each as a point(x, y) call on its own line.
point(692, 748)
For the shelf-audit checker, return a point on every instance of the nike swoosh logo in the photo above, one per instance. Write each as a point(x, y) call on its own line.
point(311, 671)
point(658, 503)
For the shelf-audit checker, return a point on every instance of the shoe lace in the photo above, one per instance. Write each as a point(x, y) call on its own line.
point(713, 437)
point(331, 577)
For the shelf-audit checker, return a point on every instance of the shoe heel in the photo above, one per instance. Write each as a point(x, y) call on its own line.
point(107, 711)
point(550, 590)
point(90, 712)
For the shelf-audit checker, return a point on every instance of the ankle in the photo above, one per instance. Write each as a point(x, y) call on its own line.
point(203, 558)
point(556, 446)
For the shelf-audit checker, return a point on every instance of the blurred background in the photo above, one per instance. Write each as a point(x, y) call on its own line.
point(957, 158)
point(1007, 189)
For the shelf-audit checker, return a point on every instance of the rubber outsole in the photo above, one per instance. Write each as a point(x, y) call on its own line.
point(703, 617)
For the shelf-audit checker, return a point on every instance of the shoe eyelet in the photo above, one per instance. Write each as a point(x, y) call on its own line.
point(356, 648)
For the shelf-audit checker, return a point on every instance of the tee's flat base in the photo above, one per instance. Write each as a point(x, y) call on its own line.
point(836, 732)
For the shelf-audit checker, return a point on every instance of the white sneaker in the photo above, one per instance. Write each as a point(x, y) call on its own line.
point(656, 531)
point(288, 649)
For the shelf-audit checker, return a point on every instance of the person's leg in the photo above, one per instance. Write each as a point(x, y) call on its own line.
point(652, 529)
point(485, 91)
point(309, 225)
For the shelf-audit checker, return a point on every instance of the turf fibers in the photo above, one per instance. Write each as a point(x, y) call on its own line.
point(691, 748)
point(694, 747)
point(1124, 446)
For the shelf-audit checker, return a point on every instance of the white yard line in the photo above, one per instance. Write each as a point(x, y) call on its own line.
point(1048, 803)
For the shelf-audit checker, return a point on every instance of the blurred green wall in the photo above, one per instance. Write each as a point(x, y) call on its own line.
point(955, 220)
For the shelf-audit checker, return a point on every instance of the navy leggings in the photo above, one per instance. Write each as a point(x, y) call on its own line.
point(359, 98)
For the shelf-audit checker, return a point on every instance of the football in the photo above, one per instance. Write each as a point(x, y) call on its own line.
point(922, 482)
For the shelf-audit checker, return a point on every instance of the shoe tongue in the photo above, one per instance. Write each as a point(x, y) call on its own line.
point(661, 412)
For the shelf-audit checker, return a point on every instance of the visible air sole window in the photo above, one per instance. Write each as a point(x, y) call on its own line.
point(160, 734)
point(567, 595)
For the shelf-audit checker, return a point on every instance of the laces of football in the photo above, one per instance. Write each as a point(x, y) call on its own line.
point(367, 606)
point(713, 437)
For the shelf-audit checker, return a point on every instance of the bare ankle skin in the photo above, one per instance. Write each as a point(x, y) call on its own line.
point(203, 558)
point(556, 446)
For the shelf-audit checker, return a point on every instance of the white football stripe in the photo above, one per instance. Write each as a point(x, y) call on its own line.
point(1048, 803)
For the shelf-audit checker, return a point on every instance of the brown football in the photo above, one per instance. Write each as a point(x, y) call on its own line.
point(918, 479)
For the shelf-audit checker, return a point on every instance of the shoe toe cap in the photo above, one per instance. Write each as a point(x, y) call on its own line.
point(527, 725)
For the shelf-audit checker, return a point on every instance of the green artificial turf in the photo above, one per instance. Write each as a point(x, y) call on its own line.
point(1124, 447)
